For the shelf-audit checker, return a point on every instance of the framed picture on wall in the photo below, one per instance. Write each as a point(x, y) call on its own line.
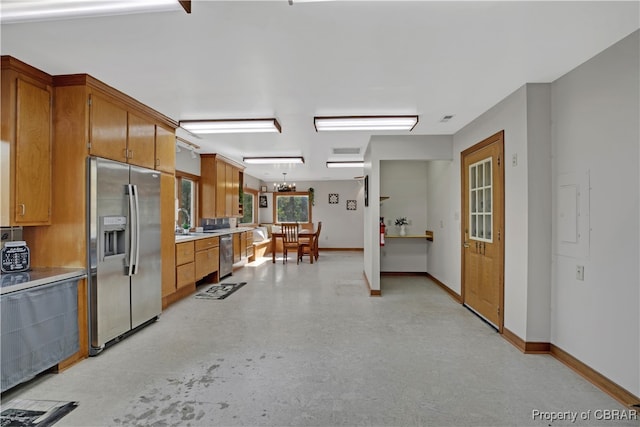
point(263, 189)
point(263, 201)
point(366, 190)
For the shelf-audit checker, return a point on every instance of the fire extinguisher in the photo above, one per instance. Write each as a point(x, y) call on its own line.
point(382, 229)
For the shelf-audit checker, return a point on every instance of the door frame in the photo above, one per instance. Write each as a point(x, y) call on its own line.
point(495, 138)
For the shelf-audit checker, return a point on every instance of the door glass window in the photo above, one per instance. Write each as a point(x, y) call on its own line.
point(481, 200)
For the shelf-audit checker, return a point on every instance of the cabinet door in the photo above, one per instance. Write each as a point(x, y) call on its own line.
point(207, 187)
point(228, 210)
point(108, 129)
point(236, 247)
point(165, 150)
point(33, 155)
point(243, 244)
point(185, 275)
point(141, 142)
point(203, 264)
point(221, 189)
point(235, 191)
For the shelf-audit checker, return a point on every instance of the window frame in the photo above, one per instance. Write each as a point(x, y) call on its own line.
point(274, 203)
point(195, 218)
point(255, 207)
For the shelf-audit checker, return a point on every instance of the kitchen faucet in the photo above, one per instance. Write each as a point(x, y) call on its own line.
point(187, 221)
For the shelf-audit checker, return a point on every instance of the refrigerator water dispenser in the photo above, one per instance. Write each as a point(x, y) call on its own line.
point(113, 236)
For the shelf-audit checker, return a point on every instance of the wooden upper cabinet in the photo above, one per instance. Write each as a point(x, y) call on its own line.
point(221, 189)
point(141, 144)
point(207, 186)
point(33, 155)
point(165, 150)
point(235, 191)
point(108, 129)
point(26, 145)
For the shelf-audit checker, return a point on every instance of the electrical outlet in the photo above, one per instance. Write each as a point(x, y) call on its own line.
point(580, 272)
point(408, 222)
point(514, 160)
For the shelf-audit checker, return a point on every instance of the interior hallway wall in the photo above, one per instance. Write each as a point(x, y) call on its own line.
point(596, 110)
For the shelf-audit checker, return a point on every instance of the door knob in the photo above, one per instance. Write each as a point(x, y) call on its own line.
point(466, 244)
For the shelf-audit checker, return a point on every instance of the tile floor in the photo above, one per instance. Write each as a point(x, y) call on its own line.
point(304, 345)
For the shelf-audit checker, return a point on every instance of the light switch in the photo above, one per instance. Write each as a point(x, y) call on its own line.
point(580, 272)
point(514, 160)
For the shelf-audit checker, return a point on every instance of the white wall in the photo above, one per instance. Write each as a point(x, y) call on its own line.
point(441, 220)
point(596, 114)
point(186, 163)
point(341, 228)
point(405, 183)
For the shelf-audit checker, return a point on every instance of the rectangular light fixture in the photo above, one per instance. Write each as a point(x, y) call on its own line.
point(272, 160)
point(345, 123)
point(24, 11)
point(350, 164)
point(231, 126)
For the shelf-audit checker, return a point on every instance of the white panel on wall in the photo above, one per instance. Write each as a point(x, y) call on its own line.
point(568, 213)
point(572, 216)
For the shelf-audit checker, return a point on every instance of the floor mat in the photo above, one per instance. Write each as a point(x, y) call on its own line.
point(34, 413)
point(220, 291)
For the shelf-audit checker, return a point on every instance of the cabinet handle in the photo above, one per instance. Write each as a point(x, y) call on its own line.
point(131, 154)
point(24, 209)
point(126, 153)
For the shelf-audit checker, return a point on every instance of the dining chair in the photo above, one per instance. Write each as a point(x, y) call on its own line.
point(290, 240)
point(310, 246)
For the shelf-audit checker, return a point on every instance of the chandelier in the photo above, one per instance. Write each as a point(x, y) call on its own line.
point(284, 186)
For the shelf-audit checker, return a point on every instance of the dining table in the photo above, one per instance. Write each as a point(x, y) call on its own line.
point(303, 234)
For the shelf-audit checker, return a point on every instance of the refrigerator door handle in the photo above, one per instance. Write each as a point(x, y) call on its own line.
point(137, 229)
point(133, 225)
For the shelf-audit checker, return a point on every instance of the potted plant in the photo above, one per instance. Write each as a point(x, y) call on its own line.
point(402, 222)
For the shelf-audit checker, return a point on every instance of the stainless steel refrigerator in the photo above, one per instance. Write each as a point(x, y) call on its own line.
point(123, 217)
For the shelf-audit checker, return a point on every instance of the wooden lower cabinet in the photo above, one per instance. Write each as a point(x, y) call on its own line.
point(185, 265)
point(185, 275)
point(237, 251)
point(207, 258)
point(249, 238)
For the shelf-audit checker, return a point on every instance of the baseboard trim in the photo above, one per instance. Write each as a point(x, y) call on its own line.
point(403, 273)
point(451, 292)
point(623, 396)
point(342, 249)
point(597, 379)
point(372, 292)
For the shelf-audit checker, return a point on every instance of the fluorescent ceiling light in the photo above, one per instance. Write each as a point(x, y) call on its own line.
point(351, 164)
point(365, 123)
point(272, 160)
point(231, 126)
point(21, 11)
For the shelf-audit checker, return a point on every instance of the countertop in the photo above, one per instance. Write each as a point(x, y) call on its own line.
point(12, 282)
point(196, 236)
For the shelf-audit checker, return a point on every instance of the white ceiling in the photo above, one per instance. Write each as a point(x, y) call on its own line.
point(241, 59)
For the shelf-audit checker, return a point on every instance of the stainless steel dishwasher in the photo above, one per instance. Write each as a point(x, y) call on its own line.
point(226, 255)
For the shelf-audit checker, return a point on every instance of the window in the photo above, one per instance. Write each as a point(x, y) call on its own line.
point(187, 195)
point(481, 200)
point(249, 198)
point(292, 207)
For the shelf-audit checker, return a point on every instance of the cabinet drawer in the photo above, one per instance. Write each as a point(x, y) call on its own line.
point(207, 243)
point(184, 253)
point(207, 262)
point(185, 274)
